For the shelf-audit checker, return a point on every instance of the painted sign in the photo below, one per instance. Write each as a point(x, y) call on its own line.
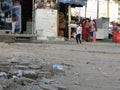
point(5, 15)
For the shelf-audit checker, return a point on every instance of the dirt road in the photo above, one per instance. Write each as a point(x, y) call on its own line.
point(91, 66)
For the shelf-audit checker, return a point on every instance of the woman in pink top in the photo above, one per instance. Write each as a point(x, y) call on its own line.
point(93, 30)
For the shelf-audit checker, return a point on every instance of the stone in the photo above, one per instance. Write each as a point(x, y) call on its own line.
point(23, 80)
point(44, 74)
point(60, 87)
point(22, 67)
point(47, 80)
point(29, 71)
point(35, 87)
point(14, 60)
point(4, 63)
point(47, 87)
point(5, 68)
point(1, 88)
point(46, 68)
point(58, 72)
point(34, 66)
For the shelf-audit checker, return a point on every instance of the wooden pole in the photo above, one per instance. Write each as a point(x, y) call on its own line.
point(97, 9)
point(85, 9)
point(33, 16)
point(69, 20)
point(108, 7)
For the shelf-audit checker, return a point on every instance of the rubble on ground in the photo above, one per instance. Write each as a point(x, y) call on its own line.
point(19, 74)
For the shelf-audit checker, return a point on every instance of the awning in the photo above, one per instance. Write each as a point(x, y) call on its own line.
point(79, 3)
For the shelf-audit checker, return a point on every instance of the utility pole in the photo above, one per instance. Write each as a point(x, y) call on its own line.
point(108, 7)
point(85, 8)
point(33, 15)
point(97, 9)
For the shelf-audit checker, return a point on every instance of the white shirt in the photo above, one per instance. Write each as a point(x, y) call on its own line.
point(79, 30)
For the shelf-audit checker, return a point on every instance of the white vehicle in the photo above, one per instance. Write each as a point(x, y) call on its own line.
point(102, 33)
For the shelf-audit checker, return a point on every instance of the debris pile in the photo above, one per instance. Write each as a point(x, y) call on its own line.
point(16, 75)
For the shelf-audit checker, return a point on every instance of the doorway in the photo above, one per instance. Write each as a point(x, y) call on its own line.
point(63, 20)
point(26, 16)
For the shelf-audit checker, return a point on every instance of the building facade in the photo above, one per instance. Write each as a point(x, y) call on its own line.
point(100, 8)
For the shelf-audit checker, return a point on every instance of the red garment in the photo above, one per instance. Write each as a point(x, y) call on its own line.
point(84, 32)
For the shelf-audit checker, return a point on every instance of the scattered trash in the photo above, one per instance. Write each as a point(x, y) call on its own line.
point(58, 70)
point(57, 66)
point(3, 74)
point(19, 74)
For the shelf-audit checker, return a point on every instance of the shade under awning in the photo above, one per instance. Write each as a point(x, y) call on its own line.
point(79, 3)
point(74, 3)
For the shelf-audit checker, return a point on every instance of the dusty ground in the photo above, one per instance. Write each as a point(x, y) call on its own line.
point(92, 66)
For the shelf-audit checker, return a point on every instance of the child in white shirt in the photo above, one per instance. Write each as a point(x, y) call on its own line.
point(78, 33)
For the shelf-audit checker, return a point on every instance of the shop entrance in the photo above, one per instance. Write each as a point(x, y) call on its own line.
point(63, 20)
point(26, 16)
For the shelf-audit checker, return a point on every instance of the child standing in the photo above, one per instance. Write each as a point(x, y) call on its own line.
point(78, 33)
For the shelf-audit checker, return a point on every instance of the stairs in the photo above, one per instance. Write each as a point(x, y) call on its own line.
point(10, 38)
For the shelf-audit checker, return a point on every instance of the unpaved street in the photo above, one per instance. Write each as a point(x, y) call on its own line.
point(87, 66)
